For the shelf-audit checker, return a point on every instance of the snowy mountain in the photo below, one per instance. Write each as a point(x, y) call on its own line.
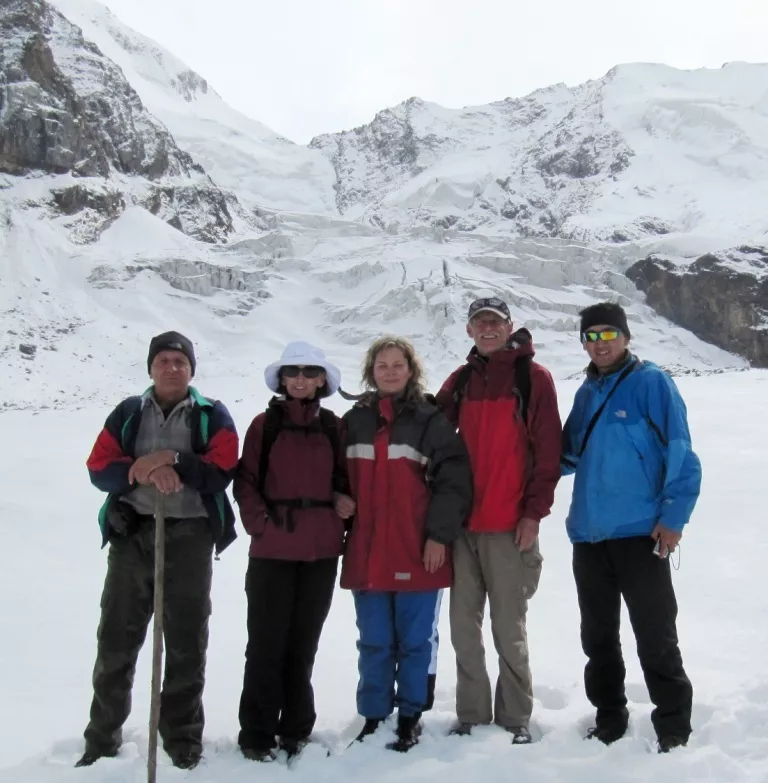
point(132, 199)
point(646, 151)
point(240, 154)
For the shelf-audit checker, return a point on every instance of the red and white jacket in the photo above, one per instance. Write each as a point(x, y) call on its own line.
point(410, 476)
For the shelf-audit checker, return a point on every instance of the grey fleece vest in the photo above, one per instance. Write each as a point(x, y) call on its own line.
point(156, 432)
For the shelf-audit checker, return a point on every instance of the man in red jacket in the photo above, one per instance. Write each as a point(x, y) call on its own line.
point(505, 407)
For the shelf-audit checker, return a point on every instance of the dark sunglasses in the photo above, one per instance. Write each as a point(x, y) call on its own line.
point(604, 334)
point(292, 371)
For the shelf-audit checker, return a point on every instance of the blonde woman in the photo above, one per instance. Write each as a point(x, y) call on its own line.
point(410, 477)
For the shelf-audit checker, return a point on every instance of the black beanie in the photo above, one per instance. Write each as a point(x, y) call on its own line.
point(605, 313)
point(171, 341)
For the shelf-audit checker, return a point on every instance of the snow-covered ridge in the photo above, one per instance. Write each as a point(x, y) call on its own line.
point(645, 151)
point(244, 250)
point(240, 154)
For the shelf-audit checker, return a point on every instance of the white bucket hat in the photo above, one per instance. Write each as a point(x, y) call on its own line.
point(305, 355)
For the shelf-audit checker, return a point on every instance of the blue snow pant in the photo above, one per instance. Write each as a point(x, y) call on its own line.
point(398, 645)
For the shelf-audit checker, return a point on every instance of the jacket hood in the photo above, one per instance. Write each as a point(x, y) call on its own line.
point(298, 412)
point(520, 343)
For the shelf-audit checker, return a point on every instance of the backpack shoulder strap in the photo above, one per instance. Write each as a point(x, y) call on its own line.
point(599, 412)
point(460, 385)
point(523, 384)
point(330, 427)
point(205, 421)
point(273, 423)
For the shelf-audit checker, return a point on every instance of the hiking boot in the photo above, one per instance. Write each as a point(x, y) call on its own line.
point(292, 746)
point(520, 735)
point(186, 759)
point(92, 755)
point(408, 733)
point(607, 734)
point(264, 756)
point(461, 729)
point(371, 724)
point(670, 742)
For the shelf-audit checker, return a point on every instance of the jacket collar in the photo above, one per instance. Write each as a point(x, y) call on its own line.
point(193, 397)
point(390, 407)
point(520, 344)
point(298, 412)
point(593, 374)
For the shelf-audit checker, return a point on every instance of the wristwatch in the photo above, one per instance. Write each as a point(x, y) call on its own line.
point(176, 458)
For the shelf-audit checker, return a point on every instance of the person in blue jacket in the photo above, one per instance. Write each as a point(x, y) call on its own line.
point(636, 483)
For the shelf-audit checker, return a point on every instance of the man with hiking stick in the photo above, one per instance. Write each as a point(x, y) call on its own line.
point(172, 443)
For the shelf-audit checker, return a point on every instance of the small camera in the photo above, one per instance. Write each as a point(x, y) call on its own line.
point(657, 549)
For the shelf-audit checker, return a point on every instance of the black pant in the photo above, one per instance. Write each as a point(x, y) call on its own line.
point(288, 603)
point(626, 567)
point(126, 609)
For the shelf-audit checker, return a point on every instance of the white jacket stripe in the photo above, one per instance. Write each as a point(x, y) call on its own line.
point(396, 451)
point(361, 451)
point(403, 451)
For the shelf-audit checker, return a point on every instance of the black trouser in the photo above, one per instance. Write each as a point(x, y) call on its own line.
point(126, 609)
point(288, 602)
point(626, 567)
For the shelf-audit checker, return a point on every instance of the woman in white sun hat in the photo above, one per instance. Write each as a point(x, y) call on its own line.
point(292, 492)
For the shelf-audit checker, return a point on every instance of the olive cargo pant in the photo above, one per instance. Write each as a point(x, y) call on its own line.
point(126, 610)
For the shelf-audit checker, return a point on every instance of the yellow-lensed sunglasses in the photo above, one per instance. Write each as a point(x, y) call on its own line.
point(592, 336)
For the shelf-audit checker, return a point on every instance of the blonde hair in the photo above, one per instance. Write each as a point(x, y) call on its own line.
point(414, 389)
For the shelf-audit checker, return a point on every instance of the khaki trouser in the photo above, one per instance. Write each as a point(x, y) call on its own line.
point(492, 564)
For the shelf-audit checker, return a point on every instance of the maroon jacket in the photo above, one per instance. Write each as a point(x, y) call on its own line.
point(300, 466)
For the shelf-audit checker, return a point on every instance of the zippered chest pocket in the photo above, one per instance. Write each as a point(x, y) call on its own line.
point(629, 463)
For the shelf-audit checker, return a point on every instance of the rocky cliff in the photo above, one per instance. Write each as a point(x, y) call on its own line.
point(66, 109)
point(722, 298)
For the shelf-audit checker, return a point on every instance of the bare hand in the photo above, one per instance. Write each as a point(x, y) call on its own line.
point(668, 539)
point(344, 506)
point(434, 555)
point(143, 466)
point(526, 533)
point(166, 480)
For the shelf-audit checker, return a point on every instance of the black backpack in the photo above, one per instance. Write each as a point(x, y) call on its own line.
point(522, 385)
point(274, 424)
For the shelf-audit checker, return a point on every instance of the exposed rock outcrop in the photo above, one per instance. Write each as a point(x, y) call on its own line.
point(64, 107)
point(722, 298)
point(201, 212)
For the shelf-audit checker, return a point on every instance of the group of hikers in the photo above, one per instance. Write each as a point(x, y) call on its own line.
point(415, 494)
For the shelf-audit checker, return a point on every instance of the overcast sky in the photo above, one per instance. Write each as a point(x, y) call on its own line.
point(305, 67)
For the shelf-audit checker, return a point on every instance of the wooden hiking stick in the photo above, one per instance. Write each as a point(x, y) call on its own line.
point(157, 638)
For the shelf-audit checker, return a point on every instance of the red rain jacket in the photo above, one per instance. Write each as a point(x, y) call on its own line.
point(515, 466)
